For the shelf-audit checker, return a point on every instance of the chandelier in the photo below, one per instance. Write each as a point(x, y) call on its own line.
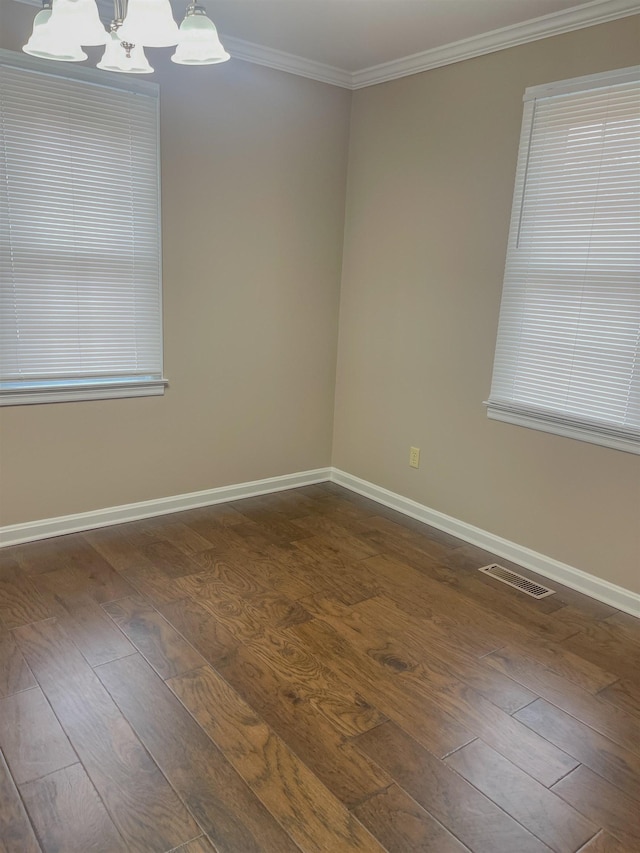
point(63, 27)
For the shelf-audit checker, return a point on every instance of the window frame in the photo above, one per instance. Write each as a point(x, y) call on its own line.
point(512, 412)
point(116, 386)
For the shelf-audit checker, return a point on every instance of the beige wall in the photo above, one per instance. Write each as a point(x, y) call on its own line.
point(254, 165)
point(253, 185)
point(431, 170)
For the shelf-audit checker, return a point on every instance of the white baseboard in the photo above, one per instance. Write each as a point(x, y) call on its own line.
point(601, 590)
point(14, 534)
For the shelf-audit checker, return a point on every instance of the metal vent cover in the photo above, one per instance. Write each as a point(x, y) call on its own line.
point(535, 590)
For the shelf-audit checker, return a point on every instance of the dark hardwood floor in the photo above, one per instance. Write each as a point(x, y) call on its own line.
point(306, 671)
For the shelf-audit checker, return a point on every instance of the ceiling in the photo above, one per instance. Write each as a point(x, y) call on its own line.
point(357, 34)
point(345, 42)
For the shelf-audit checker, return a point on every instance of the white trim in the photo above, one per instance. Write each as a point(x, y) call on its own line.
point(106, 391)
point(14, 534)
point(583, 84)
point(601, 590)
point(568, 430)
point(575, 18)
point(271, 58)
point(567, 20)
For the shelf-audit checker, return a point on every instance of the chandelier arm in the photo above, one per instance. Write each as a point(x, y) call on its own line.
point(119, 10)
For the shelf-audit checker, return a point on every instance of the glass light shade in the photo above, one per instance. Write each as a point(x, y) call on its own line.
point(45, 43)
point(77, 21)
point(115, 57)
point(198, 43)
point(37, 34)
point(149, 23)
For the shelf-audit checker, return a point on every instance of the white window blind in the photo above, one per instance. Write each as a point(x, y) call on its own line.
point(80, 292)
point(568, 350)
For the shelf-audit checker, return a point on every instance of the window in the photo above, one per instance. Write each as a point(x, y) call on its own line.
point(80, 292)
point(568, 350)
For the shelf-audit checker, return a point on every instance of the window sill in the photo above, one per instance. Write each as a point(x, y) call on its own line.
point(581, 432)
point(69, 394)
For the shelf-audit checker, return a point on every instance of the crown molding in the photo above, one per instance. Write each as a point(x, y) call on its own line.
point(574, 18)
point(260, 55)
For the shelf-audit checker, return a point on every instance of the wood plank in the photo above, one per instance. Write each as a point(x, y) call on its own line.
point(169, 560)
point(542, 812)
point(181, 536)
point(460, 573)
point(603, 756)
point(250, 571)
point(604, 804)
point(616, 627)
point(420, 640)
point(605, 843)
point(470, 557)
point(411, 705)
point(231, 538)
point(290, 503)
point(525, 748)
point(557, 659)
point(353, 547)
point(222, 802)
point(396, 537)
point(120, 545)
point(16, 832)
point(198, 845)
point(440, 631)
point(444, 653)
point(429, 592)
point(577, 618)
point(167, 652)
point(246, 619)
point(200, 628)
point(283, 579)
point(466, 561)
point(156, 586)
point(456, 701)
point(350, 776)
point(31, 737)
point(230, 573)
point(463, 810)
point(20, 602)
point(225, 577)
point(143, 806)
point(259, 537)
point(307, 567)
point(275, 527)
point(602, 645)
point(335, 570)
point(97, 580)
point(68, 814)
point(434, 589)
point(405, 525)
point(624, 694)
point(57, 552)
point(615, 723)
point(91, 629)
point(312, 816)
point(213, 523)
point(15, 674)
point(401, 824)
point(628, 625)
point(307, 675)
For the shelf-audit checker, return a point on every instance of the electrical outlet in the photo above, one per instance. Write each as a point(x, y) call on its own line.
point(414, 457)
